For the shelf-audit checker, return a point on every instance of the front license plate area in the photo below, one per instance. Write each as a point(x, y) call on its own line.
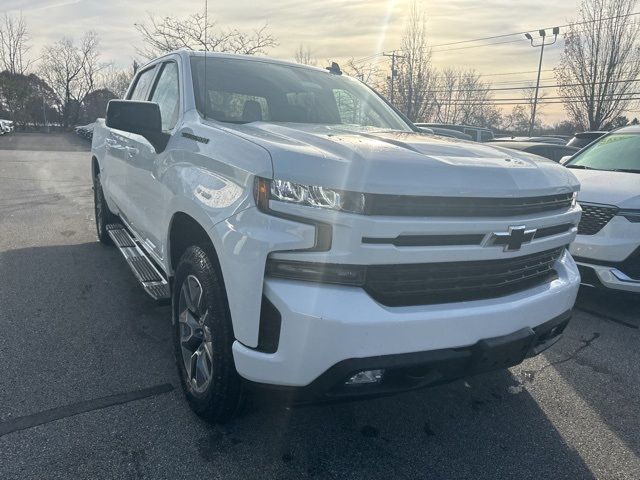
point(502, 352)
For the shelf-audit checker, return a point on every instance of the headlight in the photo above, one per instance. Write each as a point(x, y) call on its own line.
point(308, 195)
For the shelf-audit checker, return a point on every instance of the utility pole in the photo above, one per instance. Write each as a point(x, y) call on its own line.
point(394, 72)
point(543, 35)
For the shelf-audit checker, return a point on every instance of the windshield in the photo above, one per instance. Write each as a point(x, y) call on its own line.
point(615, 152)
point(243, 91)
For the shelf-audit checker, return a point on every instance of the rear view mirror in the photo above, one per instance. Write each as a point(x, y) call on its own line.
point(565, 159)
point(142, 118)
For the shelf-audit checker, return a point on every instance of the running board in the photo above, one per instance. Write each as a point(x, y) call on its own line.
point(141, 265)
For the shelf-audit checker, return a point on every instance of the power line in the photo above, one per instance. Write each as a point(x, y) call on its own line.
point(477, 46)
point(548, 102)
point(558, 85)
point(456, 101)
point(504, 35)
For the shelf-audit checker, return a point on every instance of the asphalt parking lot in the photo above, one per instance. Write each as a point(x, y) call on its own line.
point(89, 389)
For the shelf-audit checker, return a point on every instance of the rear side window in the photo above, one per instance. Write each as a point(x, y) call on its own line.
point(485, 136)
point(166, 95)
point(472, 133)
point(143, 82)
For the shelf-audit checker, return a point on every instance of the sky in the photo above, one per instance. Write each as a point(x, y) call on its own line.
point(331, 29)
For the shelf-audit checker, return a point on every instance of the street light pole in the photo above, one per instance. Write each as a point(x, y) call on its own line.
point(543, 34)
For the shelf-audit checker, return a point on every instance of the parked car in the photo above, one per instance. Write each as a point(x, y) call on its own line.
point(582, 139)
point(541, 139)
point(85, 131)
point(607, 248)
point(477, 134)
point(547, 139)
point(444, 132)
point(6, 126)
point(548, 150)
point(312, 241)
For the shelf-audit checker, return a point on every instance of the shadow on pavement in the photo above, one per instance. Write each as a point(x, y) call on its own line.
point(76, 326)
point(599, 360)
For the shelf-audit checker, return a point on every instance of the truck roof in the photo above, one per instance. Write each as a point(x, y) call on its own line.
point(253, 58)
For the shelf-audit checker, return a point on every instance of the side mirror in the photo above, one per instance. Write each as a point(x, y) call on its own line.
point(565, 159)
point(142, 118)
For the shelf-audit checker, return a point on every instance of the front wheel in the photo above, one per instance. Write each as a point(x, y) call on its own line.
point(204, 336)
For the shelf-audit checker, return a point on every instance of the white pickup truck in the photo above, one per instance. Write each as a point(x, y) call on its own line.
point(313, 241)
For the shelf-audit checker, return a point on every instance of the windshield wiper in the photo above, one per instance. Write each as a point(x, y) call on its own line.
point(626, 170)
point(581, 167)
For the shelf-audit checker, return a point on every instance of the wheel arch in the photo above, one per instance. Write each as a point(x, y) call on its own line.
point(95, 166)
point(184, 232)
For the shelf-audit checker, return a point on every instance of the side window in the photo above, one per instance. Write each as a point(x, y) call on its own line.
point(143, 82)
point(485, 136)
point(472, 132)
point(167, 96)
point(352, 111)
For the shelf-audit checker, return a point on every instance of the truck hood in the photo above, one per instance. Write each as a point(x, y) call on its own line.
point(405, 163)
point(609, 188)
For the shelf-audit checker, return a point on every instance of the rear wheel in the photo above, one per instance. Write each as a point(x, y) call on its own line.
point(204, 336)
point(101, 212)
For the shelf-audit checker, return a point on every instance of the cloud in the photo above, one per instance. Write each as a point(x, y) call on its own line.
point(332, 29)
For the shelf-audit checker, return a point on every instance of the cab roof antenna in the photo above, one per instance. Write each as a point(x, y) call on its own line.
point(334, 68)
point(206, 27)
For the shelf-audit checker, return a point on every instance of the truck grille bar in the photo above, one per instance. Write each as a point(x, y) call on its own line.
point(445, 282)
point(419, 206)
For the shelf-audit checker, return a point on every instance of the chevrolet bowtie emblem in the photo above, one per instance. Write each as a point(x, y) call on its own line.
point(513, 239)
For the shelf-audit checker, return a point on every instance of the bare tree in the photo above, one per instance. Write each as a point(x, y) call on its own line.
point(14, 45)
point(518, 120)
point(72, 72)
point(600, 63)
point(529, 97)
point(366, 72)
point(414, 80)
point(195, 32)
point(303, 55)
point(461, 97)
point(116, 80)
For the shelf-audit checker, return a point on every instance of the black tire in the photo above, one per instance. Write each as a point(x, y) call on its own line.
point(221, 399)
point(101, 212)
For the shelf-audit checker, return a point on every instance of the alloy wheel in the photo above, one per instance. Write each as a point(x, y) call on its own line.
point(195, 335)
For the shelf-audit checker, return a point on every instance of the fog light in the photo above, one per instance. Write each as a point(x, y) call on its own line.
point(366, 376)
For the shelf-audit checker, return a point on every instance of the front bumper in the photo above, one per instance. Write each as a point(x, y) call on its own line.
point(323, 325)
point(412, 371)
point(604, 258)
point(607, 276)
